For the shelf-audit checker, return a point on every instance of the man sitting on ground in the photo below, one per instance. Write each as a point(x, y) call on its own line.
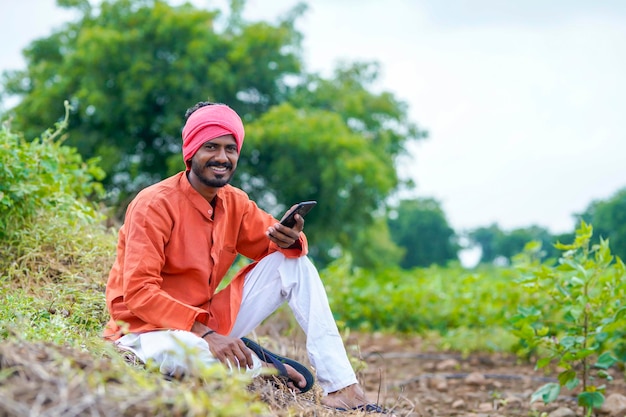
point(180, 237)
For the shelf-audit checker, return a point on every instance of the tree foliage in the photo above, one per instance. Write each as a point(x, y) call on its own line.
point(608, 218)
point(380, 118)
point(497, 244)
point(421, 228)
point(296, 155)
point(132, 68)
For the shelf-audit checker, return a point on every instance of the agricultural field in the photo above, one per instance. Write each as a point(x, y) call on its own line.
point(530, 339)
point(431, 342)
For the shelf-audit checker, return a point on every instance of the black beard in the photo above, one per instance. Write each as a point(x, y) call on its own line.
point(219, 180)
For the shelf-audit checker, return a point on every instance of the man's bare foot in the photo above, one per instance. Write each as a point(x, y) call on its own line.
point(350, 397)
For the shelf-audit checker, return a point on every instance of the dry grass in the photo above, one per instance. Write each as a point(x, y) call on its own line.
point(44, 379)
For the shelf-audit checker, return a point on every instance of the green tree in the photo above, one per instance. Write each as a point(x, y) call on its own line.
point(381, 118)
point(608, 218)
point(374, 248)
point(421, 228)
point(513, 242)
point(486, 238)
point(132, 67)
point(294, 155)
point(382, 123)
point(496, 243)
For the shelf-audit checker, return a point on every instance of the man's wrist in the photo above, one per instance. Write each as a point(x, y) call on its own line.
point(208, 332)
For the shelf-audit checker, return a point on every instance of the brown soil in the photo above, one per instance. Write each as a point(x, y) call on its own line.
point(416, 383)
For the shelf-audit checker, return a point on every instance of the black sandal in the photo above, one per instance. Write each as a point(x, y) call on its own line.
point(367, 408)
point(279, 362)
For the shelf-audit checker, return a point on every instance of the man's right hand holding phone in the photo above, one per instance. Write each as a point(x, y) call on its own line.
point(285, 236)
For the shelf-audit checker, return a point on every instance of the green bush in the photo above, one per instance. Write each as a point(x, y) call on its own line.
point(44, 176)
point(50, 223)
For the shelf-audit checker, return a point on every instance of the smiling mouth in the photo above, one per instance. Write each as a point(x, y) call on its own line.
point(219, 168)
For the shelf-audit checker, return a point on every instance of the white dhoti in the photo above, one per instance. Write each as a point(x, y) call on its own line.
point(273, 281)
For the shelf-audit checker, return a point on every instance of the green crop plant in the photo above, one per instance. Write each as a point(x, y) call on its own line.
point(577, 316)
point(454, 308)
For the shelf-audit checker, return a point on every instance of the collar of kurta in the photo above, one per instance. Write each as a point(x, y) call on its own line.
point(196, 199)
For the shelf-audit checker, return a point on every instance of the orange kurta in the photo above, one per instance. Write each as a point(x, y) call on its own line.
point(174, 250)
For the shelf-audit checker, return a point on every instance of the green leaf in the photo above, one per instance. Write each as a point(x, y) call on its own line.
point(572, 383)
point(542, 363)
point(605, 375)
point(575, 267)
point(566, 376)
point(602, 336)
point(621, 313)
point(590, 399)
point(575, 281)
point(547, 393)
point(562, 290)
point(529, 311)
point(605, 361)
point(543, 331)
point(583, 353)
point(568, 342)
point(563, 246)
point(572, 314)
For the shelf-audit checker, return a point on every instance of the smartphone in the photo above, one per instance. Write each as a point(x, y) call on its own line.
point(302, 209)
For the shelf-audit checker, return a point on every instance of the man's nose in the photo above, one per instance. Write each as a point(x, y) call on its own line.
point(221, 154)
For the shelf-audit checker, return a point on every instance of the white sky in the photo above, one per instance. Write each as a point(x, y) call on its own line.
point(523, 100)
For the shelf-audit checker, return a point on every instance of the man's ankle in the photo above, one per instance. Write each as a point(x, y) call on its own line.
point(354, 389)
point(351, 395)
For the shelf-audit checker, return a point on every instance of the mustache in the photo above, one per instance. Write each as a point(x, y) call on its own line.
point(226, 165)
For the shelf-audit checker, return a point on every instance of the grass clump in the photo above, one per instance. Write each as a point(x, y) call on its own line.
point(61, 381)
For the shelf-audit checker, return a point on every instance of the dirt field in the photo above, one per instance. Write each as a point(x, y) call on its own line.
point(399, 374)
point(417, 383)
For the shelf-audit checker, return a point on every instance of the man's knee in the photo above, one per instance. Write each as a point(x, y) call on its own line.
point(303, 261)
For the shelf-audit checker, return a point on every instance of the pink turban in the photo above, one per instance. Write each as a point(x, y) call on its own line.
point(210, 122)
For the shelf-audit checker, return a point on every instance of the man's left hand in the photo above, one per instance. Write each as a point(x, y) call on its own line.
point(284, 236)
